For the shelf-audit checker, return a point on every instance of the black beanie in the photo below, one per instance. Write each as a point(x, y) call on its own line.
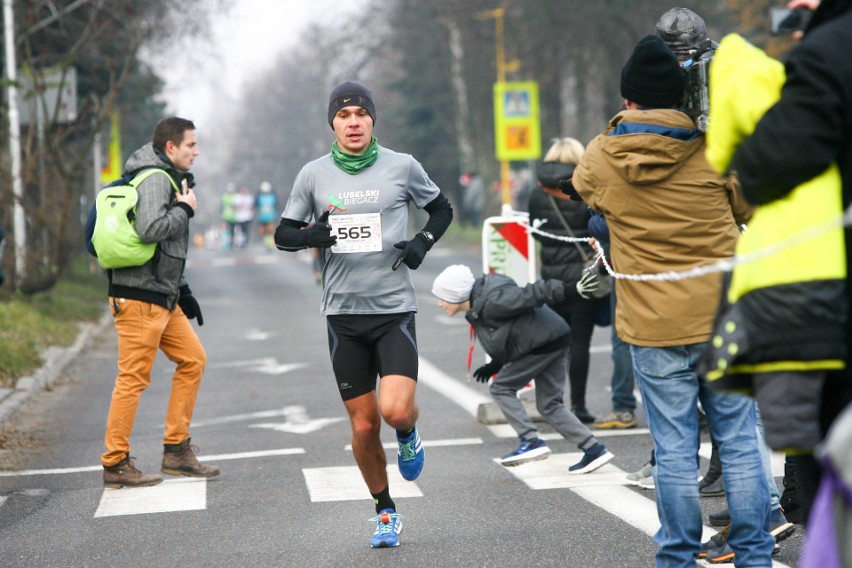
point(652, 77)
point(350, 93)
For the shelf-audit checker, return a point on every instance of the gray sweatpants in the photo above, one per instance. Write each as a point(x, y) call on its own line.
point(549, 372)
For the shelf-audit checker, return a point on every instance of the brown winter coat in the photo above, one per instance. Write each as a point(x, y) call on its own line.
point(667, 210)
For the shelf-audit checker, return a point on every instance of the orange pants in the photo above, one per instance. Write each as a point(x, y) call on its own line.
point(142, 329)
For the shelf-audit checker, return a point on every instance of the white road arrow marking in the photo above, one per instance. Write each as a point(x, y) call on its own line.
point(279, 369)
point(297, 421)
point(245, 363)
point(258, 335)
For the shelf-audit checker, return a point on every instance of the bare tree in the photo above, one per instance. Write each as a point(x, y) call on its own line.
point(100, 40)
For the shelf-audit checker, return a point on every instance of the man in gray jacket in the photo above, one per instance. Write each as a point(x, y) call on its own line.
point(152, 305)
point(526, 340)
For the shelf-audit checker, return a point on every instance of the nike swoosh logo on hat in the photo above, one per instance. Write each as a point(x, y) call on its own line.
point(347, 100)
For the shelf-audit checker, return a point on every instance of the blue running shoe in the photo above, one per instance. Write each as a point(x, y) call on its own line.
point(593, 458)
point(388, 527)
point(410, 456)
point(531, 449)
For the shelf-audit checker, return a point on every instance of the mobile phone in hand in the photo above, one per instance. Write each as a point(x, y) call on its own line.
point(787, 21)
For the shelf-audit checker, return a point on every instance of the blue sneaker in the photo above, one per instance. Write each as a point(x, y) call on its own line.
point(529, 450)
point(388, 527)
point(410, 456)
point(593, 458)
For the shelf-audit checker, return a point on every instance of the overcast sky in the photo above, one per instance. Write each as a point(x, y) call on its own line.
point(246, 41)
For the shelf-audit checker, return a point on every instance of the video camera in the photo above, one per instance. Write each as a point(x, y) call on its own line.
point(696, 97)
point(685, 33)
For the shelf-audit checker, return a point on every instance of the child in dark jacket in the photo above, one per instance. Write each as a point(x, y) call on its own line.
point(526, 340)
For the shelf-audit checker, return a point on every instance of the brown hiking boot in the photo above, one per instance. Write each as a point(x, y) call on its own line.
point(179, 459)
point(125, 474)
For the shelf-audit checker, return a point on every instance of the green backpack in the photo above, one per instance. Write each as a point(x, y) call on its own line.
point(114, 237)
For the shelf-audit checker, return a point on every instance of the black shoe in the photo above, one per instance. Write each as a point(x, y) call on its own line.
point(715, 489)
point(583, 414)
point(796, 515)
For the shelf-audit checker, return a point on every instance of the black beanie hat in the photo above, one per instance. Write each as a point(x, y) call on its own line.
point(350, 93)
point(652, 77)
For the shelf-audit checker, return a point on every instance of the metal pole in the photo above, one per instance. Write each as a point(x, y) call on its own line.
point(96, 163)
point(505, 170)
point(19, 218)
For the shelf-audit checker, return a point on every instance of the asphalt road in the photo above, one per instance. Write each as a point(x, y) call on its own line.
point(289, 494)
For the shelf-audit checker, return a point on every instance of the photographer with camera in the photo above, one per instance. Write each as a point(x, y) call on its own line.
point(667, 210)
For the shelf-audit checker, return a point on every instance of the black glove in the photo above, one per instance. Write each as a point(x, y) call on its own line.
point(413, 251)
point(318, 234)
point(189, 304)
point(487, 371)
point(567, 187)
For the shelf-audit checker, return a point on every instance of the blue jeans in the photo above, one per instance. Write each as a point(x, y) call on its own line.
point(670, 391)
point(622, 369)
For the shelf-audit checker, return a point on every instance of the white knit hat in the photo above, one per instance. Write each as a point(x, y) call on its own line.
point(454, 284)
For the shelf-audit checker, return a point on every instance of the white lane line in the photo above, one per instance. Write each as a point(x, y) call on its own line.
point(459, 393)
point(347, 484)
point(607, 348)
point(51, 471)
point(3, 500)
point(258, 454)
point(219, 457)
point(173, 495)
point(432, 443)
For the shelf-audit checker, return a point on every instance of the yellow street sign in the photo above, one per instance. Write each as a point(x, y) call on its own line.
point(516, 121)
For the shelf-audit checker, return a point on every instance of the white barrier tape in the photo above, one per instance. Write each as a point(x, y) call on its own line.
point(721, 265)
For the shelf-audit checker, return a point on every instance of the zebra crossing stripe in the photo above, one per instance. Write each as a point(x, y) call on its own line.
point(346, 484)
point(173, 495)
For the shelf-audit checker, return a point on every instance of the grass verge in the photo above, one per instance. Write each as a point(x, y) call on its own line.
point(30, 324)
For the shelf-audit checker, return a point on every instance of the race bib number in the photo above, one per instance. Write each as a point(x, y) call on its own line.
point(356, 233)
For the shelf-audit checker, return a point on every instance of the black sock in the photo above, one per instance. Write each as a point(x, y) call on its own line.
point(383, 500)
point(404, 433)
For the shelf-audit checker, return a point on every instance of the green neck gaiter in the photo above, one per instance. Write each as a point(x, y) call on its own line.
point(352, 164)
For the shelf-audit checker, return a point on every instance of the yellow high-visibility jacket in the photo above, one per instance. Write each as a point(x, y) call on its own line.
point(785, 310)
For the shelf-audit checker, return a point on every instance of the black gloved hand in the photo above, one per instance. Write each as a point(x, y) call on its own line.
point(318, 234)
point(487, 371)
point(189, 304)
point(413, 252)
point(567, 187)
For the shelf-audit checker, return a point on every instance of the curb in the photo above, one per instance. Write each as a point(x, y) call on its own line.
point(55, 360)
